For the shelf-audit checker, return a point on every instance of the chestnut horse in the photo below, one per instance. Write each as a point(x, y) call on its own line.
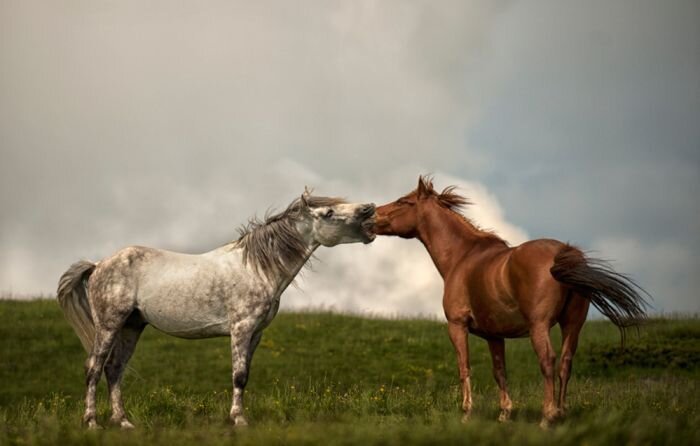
point(496, 291)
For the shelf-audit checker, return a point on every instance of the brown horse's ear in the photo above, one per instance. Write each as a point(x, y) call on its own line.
point(422, 189)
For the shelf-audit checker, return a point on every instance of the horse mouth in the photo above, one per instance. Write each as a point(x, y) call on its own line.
point(367, 228)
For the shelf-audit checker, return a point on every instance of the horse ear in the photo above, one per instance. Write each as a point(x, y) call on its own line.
point(422, 189)
point(305, 197)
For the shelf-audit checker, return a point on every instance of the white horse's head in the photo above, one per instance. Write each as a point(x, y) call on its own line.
point(333, 221)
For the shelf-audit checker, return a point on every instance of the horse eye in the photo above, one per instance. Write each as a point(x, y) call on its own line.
point(329, 213)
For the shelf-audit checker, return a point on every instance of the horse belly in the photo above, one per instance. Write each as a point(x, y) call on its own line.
point(186, 317)
point(500, 318)
point(494, 309)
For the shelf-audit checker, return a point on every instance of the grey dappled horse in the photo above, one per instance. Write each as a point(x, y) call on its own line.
point(231, 291)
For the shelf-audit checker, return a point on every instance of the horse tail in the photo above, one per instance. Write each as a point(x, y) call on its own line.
point(72, 296)
point(615, 295)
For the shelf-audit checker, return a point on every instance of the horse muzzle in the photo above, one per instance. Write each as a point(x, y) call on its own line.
point(366, 215)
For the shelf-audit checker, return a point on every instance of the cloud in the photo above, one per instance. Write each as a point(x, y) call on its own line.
point(391, 276)
point(170, 124)
point(141, 114)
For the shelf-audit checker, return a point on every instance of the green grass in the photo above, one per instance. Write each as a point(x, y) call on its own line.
point(334, 379)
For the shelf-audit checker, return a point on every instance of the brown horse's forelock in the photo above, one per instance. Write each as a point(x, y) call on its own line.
point(448, 198)
point(273, 245)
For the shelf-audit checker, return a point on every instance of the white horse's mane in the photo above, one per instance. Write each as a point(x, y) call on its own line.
point(274, 245)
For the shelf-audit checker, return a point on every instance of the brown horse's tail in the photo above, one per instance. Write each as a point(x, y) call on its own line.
point(615, 295)
point(72, 296)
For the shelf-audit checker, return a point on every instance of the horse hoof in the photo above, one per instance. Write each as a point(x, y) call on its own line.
point(92, 425)
point(504, 416)
point(123, 423)
point(465, 418)
point(240, 421)
point(545, 424)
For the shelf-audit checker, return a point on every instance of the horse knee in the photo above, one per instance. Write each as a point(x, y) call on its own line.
point(92, 370)
point(112, 371)
point(240, 379)
point(547, 365)
point(565, 366)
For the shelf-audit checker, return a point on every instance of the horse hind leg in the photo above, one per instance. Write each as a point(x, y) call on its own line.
point(110, 315)
point(571, 321)
point(124, 347)
point(104, 341)
point(545, 352)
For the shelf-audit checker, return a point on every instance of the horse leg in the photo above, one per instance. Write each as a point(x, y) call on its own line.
point(460, 341)
point(542, 344)
point(243, 340)
point(104, 340)
point(498, 357)
point(114, 368)
point(254, 345)
point(571, 322)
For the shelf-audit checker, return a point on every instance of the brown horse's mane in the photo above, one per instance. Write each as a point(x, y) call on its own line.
point(452, 201)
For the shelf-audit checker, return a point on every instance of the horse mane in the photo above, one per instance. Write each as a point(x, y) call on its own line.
point(452, 201)
point(273, 245)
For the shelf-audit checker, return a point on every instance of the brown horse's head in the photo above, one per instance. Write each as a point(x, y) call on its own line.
point(401, 217)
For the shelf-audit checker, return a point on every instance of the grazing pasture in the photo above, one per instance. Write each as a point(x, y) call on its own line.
point(337, 379)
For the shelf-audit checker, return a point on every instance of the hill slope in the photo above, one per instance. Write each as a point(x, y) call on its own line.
point(325, 378)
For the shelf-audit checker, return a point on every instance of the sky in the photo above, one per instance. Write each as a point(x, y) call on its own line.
point(168, 124)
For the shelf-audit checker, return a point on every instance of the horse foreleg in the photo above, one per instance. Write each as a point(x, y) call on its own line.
point(243, 342)
point(254, 345)
point(114, 368)
point(498, 357)
point(542, 344)
point(460, 341)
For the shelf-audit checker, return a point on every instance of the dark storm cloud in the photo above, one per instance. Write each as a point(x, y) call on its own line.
point(590, 128)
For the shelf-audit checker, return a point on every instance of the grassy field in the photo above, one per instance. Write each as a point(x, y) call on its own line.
point(333, 379)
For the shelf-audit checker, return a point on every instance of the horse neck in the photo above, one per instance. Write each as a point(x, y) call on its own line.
point(282, 282)
point(446, 236)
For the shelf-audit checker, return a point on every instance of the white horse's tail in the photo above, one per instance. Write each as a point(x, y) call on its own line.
point(72, 296)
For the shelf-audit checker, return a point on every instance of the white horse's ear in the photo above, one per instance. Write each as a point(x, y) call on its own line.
point(305, 197)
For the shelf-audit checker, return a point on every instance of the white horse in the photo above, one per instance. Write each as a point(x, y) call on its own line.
point(231, 291)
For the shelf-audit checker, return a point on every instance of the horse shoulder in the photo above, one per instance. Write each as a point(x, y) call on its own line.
point(456, 302)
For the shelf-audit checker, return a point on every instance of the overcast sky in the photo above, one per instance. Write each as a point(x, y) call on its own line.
point(168, 124)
